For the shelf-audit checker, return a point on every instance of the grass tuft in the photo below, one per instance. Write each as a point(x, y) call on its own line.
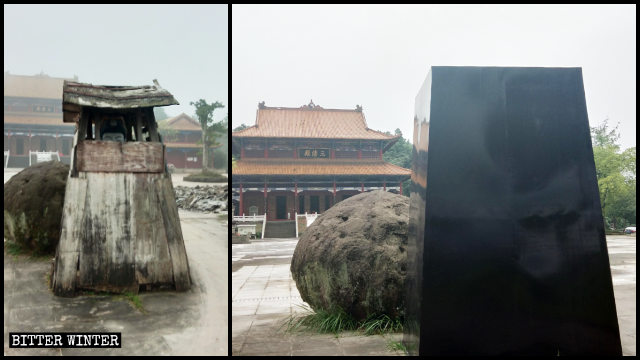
point(397, 346)
point(337, 320)
point(135, 300)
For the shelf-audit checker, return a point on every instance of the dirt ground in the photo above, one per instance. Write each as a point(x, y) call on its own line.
point(171, 323)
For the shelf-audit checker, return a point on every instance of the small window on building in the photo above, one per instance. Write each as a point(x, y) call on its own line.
point(20, 146)
point(314, 204)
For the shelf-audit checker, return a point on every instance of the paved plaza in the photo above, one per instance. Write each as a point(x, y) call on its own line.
point(264, 295)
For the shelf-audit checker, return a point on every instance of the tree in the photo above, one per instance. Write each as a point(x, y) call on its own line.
point(400, 154)
point(616, 174)
point(204, 114)
point(217, 134)
point(241, 127)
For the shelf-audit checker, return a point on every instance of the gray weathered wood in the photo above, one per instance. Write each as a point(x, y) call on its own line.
point(67, 253)
point(120, 231)
point(113, 156)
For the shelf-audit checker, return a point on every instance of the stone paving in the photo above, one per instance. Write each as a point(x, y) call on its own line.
point(622, 258)
point(175, 323)
point(264, 295)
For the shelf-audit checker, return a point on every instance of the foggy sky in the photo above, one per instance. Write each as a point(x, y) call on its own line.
point(185, 47)
point(378, 56)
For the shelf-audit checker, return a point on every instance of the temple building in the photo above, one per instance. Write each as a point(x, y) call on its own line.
point(306, 159)
point(33, 123)
point(180, 135)
point(33, 118)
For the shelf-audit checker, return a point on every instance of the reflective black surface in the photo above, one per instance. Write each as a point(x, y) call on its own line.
point(507, 253)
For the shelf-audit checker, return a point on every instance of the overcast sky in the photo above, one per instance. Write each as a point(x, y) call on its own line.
point(185, 47)
point(379, 55)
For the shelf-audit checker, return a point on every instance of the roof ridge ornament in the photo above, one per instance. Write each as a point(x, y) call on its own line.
point(358, 108)
point(311, 106)
point(261, 105)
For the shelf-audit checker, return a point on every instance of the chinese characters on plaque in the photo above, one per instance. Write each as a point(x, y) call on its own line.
point(314, 153)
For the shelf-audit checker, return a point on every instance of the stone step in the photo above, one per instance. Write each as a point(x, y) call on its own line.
point(280, 229)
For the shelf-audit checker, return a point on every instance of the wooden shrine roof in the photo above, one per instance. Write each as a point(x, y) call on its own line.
point(311, 122)
point(317, 167)
point(116, 97)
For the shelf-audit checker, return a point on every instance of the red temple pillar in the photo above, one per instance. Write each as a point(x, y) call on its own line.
point(295, 199)
point(384, 185)
point(333, 153)
point(266, 153)
point(400, 187)
point(334, 193)
point(359, 154)
point(380, 154)
point(361, 187)
point(242, 153)
point(265, 198)
point(241, 208)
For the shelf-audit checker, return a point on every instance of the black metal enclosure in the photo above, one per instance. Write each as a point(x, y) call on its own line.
point(507, 251)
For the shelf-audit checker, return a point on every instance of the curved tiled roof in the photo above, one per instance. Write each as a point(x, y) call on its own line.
point(182, 122)
point(311, 123)
point(317, 167)
point(38, 86)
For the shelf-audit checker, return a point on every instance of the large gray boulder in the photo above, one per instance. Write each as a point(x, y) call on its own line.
point(354, 256)
point(33, 201)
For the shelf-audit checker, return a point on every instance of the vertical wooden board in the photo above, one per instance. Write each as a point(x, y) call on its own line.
point(106, 255)
point(65, 268)
point(152, 260)
point(166, 199)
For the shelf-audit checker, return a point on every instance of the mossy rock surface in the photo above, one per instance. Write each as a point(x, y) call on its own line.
point(33, 202)
point(354, 256)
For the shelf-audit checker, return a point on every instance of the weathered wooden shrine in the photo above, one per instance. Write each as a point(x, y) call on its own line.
point(120, 225)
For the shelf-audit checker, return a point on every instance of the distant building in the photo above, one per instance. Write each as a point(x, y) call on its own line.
point(305, 160)
point(181, 135)
point(33, 122)
point(33, 118)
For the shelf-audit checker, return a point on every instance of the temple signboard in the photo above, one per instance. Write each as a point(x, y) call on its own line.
point(314, 153)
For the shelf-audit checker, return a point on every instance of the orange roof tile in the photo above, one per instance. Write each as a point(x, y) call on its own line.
point(188, 145)
point(38, 86)
point(317, 167)
point(182, 145)
point(313, 122)
point(182, 122)
point(43, 119)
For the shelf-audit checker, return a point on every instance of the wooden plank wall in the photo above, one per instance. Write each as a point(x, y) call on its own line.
point(113, 156)
point(120, 231)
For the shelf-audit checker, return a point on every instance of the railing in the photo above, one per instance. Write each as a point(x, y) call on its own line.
point(253, 218)
point(309, 219)
point(42, 156)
